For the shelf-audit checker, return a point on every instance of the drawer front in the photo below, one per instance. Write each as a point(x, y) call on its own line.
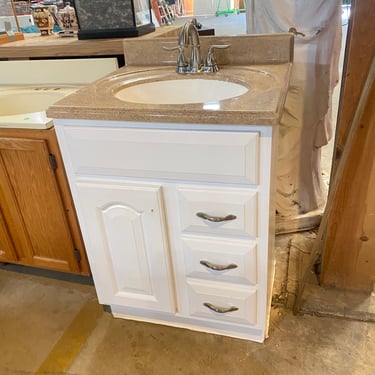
point(218, 211)
point(223, 261)
point(232, 303)
point(214, 156)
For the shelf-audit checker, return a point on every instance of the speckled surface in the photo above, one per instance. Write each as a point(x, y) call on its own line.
point(104, 14)
point(266, 79)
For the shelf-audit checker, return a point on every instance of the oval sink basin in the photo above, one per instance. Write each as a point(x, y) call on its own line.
point(27, 102)
point(180, 91)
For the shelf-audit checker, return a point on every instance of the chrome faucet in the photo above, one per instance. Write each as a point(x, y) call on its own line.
point(189, 36)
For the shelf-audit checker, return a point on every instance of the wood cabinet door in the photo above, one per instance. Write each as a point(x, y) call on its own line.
point(31, 205)
point(7, 252)
point(124, 231)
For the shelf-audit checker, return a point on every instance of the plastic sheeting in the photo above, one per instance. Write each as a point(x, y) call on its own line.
point(306, 123)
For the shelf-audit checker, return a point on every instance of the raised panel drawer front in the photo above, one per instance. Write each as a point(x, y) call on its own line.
point(221, 260)
point(228, 211)
point(212, 156)
point(227, 303)
point(125, 239)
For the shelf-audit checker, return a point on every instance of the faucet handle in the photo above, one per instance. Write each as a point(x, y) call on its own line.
point(182, 65)
point(219, 46)
point(171, 48)
point(211, 63)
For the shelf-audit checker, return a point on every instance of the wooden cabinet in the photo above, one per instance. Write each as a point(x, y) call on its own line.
point(177, 220)
point(7, 252)
point(38, 225)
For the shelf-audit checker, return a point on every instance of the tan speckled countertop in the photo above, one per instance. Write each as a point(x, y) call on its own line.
point(260, 63)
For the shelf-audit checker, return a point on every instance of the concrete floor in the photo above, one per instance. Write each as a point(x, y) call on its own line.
point(55, 326)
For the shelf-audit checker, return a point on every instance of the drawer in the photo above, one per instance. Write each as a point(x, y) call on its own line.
point(233, 304)
point(227, 211)
point(223, 261)
point(215, 156)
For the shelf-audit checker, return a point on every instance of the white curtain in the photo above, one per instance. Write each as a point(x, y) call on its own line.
point(306, 123)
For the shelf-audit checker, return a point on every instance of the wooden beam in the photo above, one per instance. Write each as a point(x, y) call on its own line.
point(346, 262)
point(359, 51)
point(349, 250)
point(349, 227)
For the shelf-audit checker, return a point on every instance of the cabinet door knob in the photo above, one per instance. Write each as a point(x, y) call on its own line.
point(220, 310)
point(215, 219)
point(218, 267)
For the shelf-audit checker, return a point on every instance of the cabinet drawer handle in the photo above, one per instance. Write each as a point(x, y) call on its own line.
point(217, 267)
point(215, 219)
point(220, 310)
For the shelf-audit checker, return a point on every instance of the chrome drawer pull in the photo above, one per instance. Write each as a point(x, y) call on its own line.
point(220, 310)
point(215, 219)
point(217, 267)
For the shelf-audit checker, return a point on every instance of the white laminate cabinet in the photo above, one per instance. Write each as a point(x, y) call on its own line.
point(127, 239)
point(177, 220)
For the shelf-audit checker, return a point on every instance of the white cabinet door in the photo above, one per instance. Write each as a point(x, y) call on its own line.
point(123, 226)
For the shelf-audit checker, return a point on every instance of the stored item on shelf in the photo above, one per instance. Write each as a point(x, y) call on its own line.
point(67, 20)
point(113, 18)
point(43, 19)
point(9, 26)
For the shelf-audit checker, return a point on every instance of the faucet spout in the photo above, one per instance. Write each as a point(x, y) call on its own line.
point(189, 36)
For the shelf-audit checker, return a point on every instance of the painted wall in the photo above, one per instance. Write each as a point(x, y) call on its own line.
point(209, 7)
